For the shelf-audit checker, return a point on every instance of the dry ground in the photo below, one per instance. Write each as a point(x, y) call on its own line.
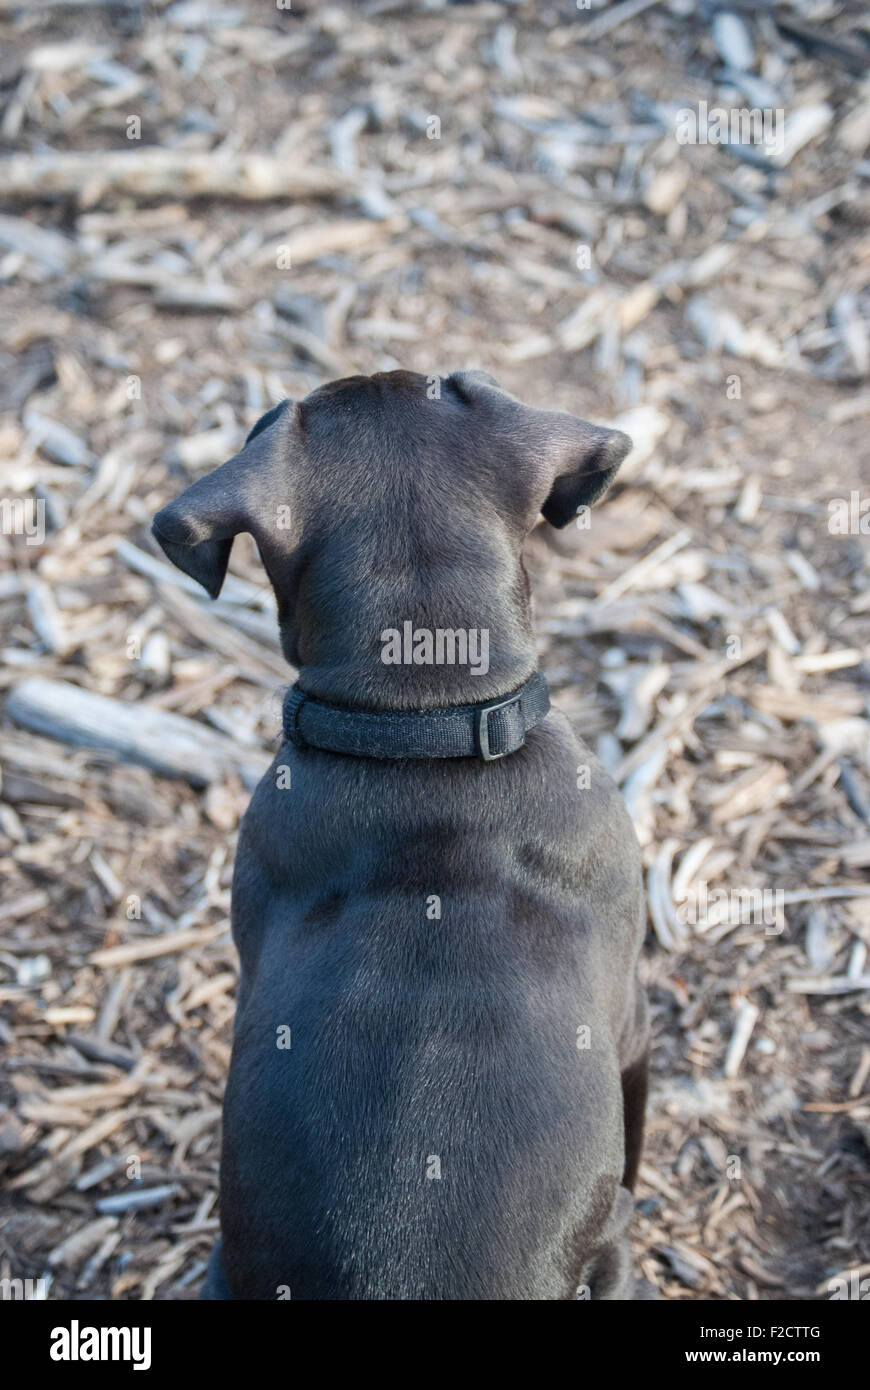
point(158, 293)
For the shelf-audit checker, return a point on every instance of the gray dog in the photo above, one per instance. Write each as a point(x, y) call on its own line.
point(438, 1076)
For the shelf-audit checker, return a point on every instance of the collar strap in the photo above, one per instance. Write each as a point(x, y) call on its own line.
point(486, 731)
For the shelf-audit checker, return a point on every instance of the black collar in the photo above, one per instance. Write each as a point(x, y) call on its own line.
point(486, 731)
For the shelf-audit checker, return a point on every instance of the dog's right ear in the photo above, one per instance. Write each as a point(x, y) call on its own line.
point(196, 531)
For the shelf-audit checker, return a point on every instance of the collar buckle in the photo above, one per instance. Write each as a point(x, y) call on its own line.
point(483, 746)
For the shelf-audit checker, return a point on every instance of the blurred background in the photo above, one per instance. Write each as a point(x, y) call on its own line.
point(210, 206)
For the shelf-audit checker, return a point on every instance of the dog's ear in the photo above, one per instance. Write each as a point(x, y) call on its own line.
point(584, 459)
point(572, 461)
point(196, 530)
point(268, 419)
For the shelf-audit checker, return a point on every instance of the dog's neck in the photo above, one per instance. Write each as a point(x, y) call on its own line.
point(392, 645)
point(352, 680)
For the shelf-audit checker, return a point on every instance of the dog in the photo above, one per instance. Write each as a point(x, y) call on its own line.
point(438, 1076)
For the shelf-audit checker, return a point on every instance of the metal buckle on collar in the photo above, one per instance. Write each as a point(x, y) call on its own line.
point(481, 729)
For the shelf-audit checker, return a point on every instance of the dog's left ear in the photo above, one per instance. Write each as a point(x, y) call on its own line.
point(572, 462)
point(196, 530)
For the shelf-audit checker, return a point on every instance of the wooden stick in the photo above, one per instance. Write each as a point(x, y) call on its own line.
point(613, 18)
point(149, 947)
point(167, 743)
point(155, 173)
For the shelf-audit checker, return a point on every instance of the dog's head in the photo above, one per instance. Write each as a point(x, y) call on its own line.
point(395, 489)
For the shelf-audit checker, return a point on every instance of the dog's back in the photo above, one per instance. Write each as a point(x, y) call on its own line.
point(451, 948)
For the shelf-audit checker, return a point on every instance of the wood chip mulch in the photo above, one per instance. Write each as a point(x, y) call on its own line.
point(348, 188)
